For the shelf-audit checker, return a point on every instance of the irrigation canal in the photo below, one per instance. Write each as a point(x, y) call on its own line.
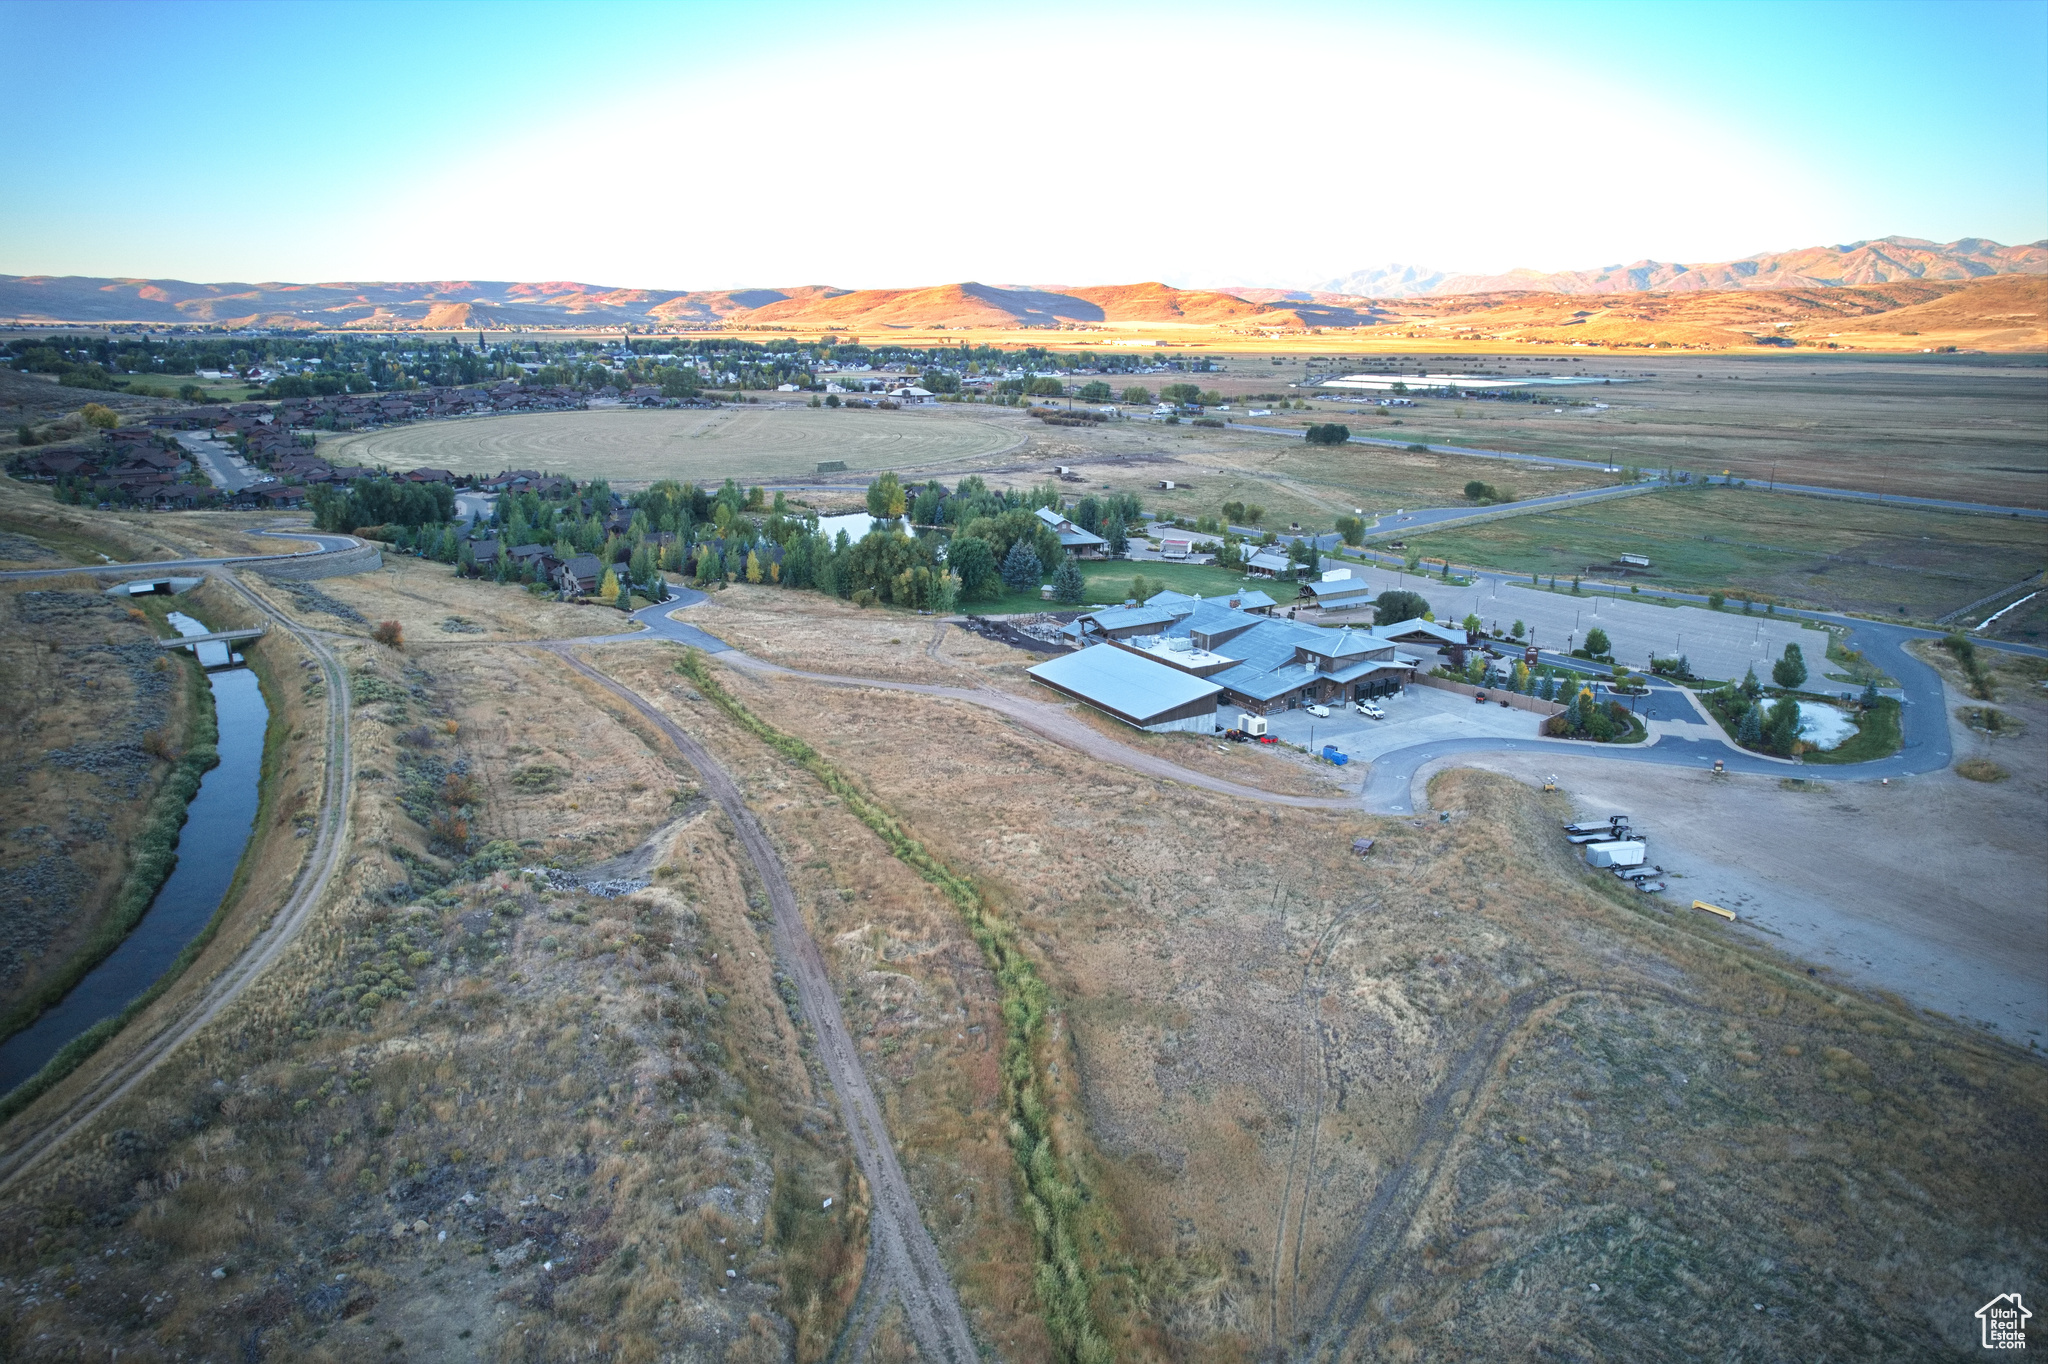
point(219, 822)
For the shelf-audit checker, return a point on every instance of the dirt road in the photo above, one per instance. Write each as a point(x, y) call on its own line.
point(909, 1259)
point(330, 842)
point(1055, 723)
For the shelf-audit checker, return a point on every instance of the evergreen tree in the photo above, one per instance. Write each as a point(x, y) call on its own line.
point(1118, 535)
point(1021, 569)
point(1790, 671)
point(1751, 730)
point(1781, 726)
point(1068, 587)
point(1870, 696)
point(1750, 686)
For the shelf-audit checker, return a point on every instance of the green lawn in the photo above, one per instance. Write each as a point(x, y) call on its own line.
point(1876, 736)
point(1109, 582)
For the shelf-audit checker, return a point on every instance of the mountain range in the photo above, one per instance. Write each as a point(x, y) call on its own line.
point(1870, 272)
point(1887, 260)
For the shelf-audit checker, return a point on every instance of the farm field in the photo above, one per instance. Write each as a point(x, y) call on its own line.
point(1838, 556)
point(640, 446)
point(1963, 427)
point(1290, 479)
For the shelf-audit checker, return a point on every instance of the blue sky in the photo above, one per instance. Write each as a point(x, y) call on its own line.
point(711, 145)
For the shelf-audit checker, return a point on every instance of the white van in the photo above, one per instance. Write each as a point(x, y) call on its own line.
point(1320, 712)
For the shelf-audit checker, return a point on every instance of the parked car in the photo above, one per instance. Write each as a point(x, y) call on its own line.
point(1369, 710)
point(1320, 712)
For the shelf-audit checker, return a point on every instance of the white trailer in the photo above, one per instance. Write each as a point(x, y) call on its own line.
point(1248, 723)
point(1625, 853)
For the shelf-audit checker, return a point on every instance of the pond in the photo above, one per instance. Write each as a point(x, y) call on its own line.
point(1823, 726)
point(219, 822)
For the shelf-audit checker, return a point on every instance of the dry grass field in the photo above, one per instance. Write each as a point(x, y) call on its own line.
point(1555, 1084)
point(1952, 426)
point(638, 446)
point(38, 532)
point(1413, 1106)
point(95, 715)
point(432, 604)
point(603, 1104)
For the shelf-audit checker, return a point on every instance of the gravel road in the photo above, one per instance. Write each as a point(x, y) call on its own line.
point(909, 1260)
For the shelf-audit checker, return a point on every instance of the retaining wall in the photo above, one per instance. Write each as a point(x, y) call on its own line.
point(361, 559)
point(1535, 705)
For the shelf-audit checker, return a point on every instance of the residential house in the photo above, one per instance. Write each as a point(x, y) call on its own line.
point(1268, 563)
point(1075, 541)
point(580, 576)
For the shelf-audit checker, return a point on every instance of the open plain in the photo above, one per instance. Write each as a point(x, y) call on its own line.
point(629, 445)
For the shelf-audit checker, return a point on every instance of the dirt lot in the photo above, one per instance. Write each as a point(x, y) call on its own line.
point(1851, 877)
point(631, 445)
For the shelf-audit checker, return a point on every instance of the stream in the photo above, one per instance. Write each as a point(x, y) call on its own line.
point(218, 824)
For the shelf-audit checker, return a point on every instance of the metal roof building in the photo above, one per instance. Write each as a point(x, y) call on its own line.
point(1133, 689)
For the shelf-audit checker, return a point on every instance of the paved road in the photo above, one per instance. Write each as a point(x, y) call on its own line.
point(329, 544)
point(909, 1259)
point(222, 466)
point(1856, 495)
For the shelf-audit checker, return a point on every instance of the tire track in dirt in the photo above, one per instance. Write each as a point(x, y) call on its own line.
point(1384, 1225)
point(330, 842)
point(909, 1258)
point(1053, 723)
point(1394, 1204)
point(1312, 1074)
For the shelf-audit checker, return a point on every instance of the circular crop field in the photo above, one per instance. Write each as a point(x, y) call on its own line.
point(699, 445)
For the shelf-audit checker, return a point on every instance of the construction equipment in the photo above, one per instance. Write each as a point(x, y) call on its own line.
point(1254, 725)
point(1550, 782)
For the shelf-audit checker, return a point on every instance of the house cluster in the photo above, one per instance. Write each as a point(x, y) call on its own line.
point(581, 575)
point(1169, 662)
point(127, 465)
point(350, 411)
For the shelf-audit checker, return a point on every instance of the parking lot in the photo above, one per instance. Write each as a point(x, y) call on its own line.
point(1419, 715)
